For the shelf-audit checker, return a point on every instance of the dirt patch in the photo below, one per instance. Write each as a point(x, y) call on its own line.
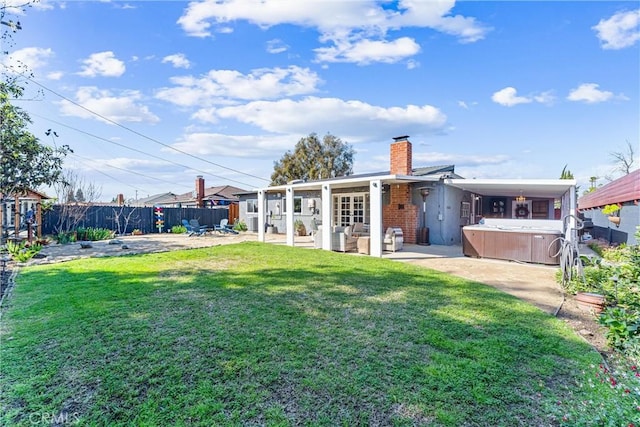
point(584, 323)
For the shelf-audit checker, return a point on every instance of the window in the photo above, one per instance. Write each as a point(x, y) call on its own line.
point(297, 205)
point(465, 210)
point(252, 205)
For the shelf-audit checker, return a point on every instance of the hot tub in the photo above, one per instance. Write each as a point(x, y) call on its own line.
point(523, 243)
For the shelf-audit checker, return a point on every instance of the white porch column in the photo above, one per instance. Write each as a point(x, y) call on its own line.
point(261, 215)
point(327, 201)
point(375, 215)
point(573, 235)
point(289, 217)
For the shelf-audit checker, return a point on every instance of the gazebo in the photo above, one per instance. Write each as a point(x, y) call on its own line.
point(21, 209)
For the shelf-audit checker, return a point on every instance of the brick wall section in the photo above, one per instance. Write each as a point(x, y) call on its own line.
point(407, 218)
point(401, 158)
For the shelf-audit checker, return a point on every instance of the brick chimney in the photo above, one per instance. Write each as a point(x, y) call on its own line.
point(199, 191)
point(120, 199)
point(401, 156)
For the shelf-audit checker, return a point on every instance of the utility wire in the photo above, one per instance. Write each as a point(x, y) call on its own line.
point(137, 151)
point(133, 131)
point(109, 176)
point(125, 170)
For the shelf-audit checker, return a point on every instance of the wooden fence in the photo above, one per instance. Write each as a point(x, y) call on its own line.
point(125, 219)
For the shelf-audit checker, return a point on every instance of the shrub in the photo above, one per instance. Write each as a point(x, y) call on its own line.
point(621, 324)
point(240, 226)
point(93, 234)
point(178, 229)
point(22, 252)
point(65, 237)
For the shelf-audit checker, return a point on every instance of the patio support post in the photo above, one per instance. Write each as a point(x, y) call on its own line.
point(289, 219)
point(326, 216)
point(375, 200)
point(261, 215)
point(573, 235)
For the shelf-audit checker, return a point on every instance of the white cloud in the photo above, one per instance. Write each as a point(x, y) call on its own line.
point(353, 28)
point(412, 64)
point(276, 46)
point(178, 60)
point(619, 31)
point(508, 97)
point(589, 93)
point(204, 144)
point(102, 64)
point(34, 58)
point(351, 120)
point(367, 51)
point(107, 106)
point(55, 75)
point(547, 98)
point(461, 160)
point(218, 86)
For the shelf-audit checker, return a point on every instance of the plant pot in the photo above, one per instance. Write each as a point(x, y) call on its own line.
point(615, 220)
point(590, 301)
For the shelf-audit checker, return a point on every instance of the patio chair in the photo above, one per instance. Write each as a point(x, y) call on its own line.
point(198, 229)
point(342, 239)
point(230, 229)
point(188, 226)
point(224, 227)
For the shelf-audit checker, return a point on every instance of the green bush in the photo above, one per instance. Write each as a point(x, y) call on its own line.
point(178, 229)
point(22, 251)
point(622, 325)
point(65, 237)
point(240, 226)
point(617, 277)
point(93, 234)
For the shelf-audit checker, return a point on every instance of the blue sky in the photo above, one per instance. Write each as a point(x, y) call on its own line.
point(500, 89)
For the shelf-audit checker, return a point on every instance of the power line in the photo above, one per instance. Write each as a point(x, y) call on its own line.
point(136, 150)
point(134, 131)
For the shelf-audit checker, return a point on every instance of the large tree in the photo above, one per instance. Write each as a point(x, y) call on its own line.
point(314, 159)
point(25, 163)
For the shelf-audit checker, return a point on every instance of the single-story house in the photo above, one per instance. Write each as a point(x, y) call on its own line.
point(426, 205)
point(623, 192)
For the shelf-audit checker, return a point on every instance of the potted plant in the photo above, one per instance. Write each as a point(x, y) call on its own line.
point(299, 227)
point(612, 212)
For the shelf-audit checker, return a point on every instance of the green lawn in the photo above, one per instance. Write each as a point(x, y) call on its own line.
point(259, 334)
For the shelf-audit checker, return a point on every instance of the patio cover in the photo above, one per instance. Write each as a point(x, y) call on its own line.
point(543, 188)
point(562, 189)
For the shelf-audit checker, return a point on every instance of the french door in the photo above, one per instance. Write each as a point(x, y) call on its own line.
point(349, 209)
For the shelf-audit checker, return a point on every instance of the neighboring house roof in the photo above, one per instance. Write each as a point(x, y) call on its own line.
point(156, 199)
point(214, 194)
point(224, 192)
point(622, 190)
